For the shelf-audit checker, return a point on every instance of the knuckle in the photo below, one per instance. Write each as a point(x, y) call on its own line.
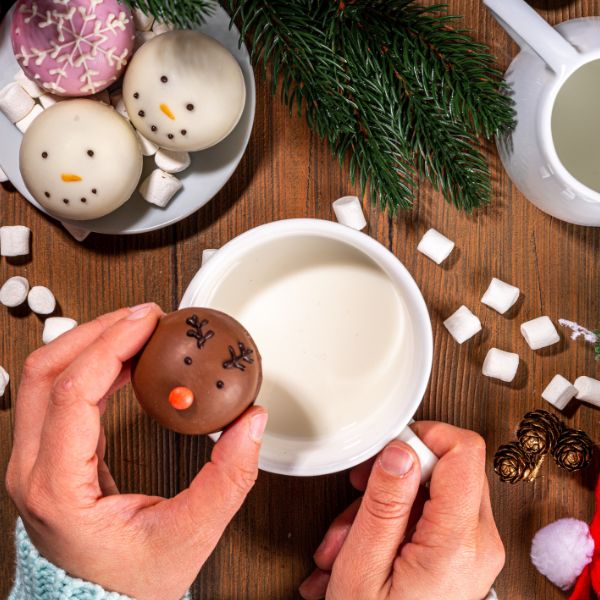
point(35, 502)
point(474, 442)
point(62, 391)
point(385, 505)
point(243, 479)
point(35, 363)
point(12, 481)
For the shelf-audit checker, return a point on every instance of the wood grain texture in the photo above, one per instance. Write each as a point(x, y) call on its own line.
point(288, 172)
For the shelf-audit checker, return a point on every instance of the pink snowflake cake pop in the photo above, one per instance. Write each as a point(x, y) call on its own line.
point(72, 47)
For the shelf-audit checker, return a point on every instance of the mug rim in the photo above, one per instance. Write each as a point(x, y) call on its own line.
point(209, 274)
point(548, 146)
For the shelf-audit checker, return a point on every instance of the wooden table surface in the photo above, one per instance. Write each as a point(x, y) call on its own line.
point(288, 172)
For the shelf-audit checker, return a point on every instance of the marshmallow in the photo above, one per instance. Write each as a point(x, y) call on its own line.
point(159, 187)
point(4, 379)
point(31, 87)
point(41, 300)
point(15, 102)
point(120, 108)
point(159, 27)
point(539, 333)
point(348, 211)
point(501, 365)
point(141, 37)
point(79, 233)
point(559, 392)
point(500, 296)
point(427, 459)
point(462, 325)
point(14, 240)
point(436, 246)
point(207, 254)
point(23, 124)
point(55, 327)
point(3, 176)
point(588, 390)
point(14, 291)
point(142, 21)
point(491, 595)
point(172, 161)
point(115, 97)
point(148, 148)
point(48, 100)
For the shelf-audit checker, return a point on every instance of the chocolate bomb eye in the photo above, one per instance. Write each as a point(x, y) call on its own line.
point(190, 107)
point(220, 384)
point(164, 79)
point(187, 360)
point(44, 155)
point(90, 153)
point(154, 128)
point(141, 113)
point(136, 95)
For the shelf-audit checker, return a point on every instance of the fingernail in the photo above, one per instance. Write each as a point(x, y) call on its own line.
point(139, 311)
point(396, 461)
point(258, 424)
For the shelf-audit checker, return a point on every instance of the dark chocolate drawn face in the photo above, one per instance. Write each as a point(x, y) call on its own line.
point(198, 372)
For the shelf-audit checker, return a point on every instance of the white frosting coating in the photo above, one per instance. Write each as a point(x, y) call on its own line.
point(184, 91)
point(83, 152)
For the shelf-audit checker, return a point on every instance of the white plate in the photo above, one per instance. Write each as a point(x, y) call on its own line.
point(208, 173)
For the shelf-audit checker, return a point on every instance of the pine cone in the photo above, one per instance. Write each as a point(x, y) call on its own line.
point(513, 464)
point(573, 450)
point(538, 432)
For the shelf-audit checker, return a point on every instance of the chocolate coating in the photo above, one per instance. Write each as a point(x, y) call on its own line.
point(207, 352)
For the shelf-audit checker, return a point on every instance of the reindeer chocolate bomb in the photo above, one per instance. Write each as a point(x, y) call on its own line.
point(198, 372)
point(80, 159)
point(184, 91)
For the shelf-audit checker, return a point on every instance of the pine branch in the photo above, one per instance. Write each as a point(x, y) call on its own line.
point(389, 83)
point(182, 13)
point(597, 344)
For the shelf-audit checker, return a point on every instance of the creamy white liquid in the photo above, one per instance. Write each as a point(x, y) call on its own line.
point(332, 331)
point(576, 125)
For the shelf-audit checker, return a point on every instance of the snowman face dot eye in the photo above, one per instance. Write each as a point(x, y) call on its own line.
point(190, 107)
point(90, 153)
point(84, 200)
point(154, 128)
point(65, 200)
point(136, 95)
point(170, 136)
point(44, 155)
point(94, 191)
point(141, 113)
point(47, 194)
point(164, 79)
point(183, 132)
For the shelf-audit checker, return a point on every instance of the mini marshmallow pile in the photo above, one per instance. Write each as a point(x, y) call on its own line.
point(560, 391)
point(501, 297)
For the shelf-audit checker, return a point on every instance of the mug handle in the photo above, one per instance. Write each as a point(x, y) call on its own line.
point(530, 30)
point(426, 457)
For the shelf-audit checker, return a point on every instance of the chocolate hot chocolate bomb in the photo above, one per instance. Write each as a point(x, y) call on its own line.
point(198, 372)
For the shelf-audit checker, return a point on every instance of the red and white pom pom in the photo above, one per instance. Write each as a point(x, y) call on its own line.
point(561, 550)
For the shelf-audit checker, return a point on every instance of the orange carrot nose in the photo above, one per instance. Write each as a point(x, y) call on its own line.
point(165, 108)
point(69, 177)
point(181, 398)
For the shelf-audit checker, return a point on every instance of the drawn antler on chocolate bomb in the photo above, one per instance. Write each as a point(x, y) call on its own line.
point(235, 362)
point(197, 332)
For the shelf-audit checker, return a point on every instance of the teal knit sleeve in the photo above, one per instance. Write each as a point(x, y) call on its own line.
point(38, 579)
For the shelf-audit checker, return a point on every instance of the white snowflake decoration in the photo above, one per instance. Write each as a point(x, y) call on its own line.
point(72, 47)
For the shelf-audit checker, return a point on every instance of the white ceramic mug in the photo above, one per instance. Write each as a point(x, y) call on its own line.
point(263, 257)
point(551, 153)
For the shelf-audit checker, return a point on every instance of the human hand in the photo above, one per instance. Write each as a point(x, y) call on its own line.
point(395, 544)
point(142, 546)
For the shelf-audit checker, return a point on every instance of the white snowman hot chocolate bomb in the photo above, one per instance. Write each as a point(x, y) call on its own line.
point(80, 159)
point(184, 91)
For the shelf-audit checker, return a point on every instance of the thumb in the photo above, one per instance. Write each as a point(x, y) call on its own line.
point(372, 545)
point(220, 488)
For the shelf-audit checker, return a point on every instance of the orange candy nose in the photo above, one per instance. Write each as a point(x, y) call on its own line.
point(181, 398)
